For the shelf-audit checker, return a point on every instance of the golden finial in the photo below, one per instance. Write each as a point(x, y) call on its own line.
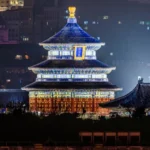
point(72, 11)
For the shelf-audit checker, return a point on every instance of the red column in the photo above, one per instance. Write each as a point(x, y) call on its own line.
point(72, 105)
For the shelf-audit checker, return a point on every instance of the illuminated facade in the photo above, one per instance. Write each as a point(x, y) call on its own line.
point(71, 79)
point(8, 4)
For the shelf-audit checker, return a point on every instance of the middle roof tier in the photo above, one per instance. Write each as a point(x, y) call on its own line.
point(84, 65)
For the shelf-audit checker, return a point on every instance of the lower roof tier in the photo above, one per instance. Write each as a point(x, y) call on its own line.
point(48, 64)
point(71, 85)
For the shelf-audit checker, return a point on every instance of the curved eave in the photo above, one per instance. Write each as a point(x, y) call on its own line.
point(119, 101)
point(11, 91)
point(35, 70)
point(72, 44)
point(102, 89)
point(38, 85)
point(51, 44)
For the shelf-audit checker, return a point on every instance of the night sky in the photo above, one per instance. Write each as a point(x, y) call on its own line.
point(126, 33)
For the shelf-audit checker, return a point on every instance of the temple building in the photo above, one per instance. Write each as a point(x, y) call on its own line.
point(138, 98)
point(71, 79)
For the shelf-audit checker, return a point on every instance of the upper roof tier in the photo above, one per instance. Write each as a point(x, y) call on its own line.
point(71, 33)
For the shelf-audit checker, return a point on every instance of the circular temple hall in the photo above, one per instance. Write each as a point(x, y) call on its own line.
point(71, 80)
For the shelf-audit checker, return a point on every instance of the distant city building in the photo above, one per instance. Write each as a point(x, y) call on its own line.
point(10, 4)
point(71, 79)
point(4, 33)
point(20, 24)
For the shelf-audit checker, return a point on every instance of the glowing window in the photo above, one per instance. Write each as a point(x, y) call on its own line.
point(26, 56)
point(67, 11)
point(85, 22)
point(8, 80)
point(18, 57)
point(66, 53)
point(119, 22)
point(89, 53)
point(47, 76)
point(86, 28)
point(55, 53)
point(105, 17)
point(111, 54)
point(142, 22)
point(63, 76)
point(81, 76)
point(99, 76)
point(94, 53)
point(39, 76)
point(94, 22)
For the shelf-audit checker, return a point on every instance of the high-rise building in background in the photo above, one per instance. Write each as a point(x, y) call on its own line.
point(20, 24)
point(4, 33)
point(10, 4)
point(71, 79)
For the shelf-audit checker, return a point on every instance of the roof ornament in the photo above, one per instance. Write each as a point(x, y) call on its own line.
point(72, 11)
point(72, 18)
point(140, 80)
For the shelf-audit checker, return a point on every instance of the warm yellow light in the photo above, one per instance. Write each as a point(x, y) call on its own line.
point(72, 11)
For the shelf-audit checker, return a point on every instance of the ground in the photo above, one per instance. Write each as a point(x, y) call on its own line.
point(65, 127)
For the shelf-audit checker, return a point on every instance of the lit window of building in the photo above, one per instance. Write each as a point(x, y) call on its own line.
point(18, 57)
point(66, 53)
point(27, 57)
point(119, 22)
point(67, 11)
point(86, 28)
point(105, 17)
point(85, 22)
point(98, 38)
point(8, 80)
point(142, 22)
point(16, 2)
point(8, 4)
point(25, 39)
point(111, 54)
point(94, 22)
point(66, 17)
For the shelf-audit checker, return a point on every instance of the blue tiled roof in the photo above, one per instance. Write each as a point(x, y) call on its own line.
point(138, 97)
point(71, 85)
point(72, 33)
point(71, 64)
